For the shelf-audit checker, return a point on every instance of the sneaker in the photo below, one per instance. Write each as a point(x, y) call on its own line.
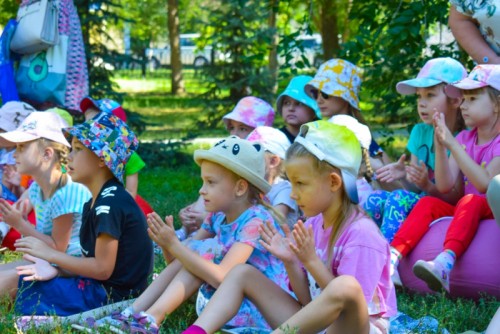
point(117, 322)
point(436, 276)
point(396, 279)
point(141, 324)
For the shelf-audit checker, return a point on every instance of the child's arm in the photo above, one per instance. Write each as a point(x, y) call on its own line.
point(447, 170)
point(192, 216)
point(212, 273)
point(278, 246)
point(132, 184)
point(283, 209)
point(14, 215)
point(419, 175)
point(305, 251)
point(99, 267)
point(468, 35)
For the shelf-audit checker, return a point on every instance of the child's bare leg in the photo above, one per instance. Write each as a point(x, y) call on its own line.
point(244, 280)
point(157, 287)
point(183, 286)
point(9, 278)
point(341, 308)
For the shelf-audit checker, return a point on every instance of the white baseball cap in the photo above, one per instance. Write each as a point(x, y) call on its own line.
point(39, 124)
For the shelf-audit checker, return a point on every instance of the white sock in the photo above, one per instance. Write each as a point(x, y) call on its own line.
point(395, 257)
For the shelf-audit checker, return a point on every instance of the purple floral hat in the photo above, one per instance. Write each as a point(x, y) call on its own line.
point(109, 138)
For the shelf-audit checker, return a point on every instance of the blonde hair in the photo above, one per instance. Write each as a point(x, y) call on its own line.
point(61, 155)
point(368, 170)
point(346, 207)
point(256, 197)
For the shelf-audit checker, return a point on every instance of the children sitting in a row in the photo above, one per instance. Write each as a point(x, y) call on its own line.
point(473, 161)
point(41, 152)
point(390, 209)
point(113, 228)
point(338, 239)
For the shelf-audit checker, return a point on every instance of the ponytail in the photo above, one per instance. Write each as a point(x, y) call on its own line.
point(257, 197)
point(368, 172)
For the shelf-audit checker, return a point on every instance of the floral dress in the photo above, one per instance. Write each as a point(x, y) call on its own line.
point(245, 229)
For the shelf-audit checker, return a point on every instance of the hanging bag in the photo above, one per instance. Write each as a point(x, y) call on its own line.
point(41, 77)
point(37, 28)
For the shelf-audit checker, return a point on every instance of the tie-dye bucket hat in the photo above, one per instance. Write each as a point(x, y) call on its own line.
point(337, 77)
point(435, 71)
point(109, 138)
point(295, 90)
point(336, 145)
point(252, 112)
point(481, 76)
point(240, 156)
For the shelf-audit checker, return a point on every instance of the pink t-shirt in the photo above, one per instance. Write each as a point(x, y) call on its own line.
point(360, 251)
point(481, 154)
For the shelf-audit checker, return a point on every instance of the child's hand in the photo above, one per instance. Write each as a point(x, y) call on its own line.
point(191, 219)
point(304, 247)
point(11, 214)
point(161, 233)
point(34, 246)
point(392, 172)
point(40, 270)
point(442, 134)
point(275, 243)
point(418, 175)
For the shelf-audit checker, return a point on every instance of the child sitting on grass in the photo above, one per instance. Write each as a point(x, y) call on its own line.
point(249, 113)
point(41, 152)
point(338, 261)
point(233, 187)
point(117, 252)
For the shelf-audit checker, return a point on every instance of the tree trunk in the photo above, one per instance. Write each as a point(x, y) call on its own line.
point(273, 52)
point(175, 60)
point(328, 28)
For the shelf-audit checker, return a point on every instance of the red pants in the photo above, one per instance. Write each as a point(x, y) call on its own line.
point(467, 214)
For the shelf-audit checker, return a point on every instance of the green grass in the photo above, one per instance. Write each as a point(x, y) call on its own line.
point(171, 180)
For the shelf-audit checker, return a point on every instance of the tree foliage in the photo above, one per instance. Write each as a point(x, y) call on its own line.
point(239, 30)
point(390, 45)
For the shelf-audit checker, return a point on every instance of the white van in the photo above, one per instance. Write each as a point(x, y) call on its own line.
point(190, 54)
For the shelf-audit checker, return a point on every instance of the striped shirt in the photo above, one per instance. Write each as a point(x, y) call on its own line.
point(68, 199)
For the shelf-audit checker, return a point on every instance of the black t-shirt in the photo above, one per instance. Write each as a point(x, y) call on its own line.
point(117, 214)
point(288, 134)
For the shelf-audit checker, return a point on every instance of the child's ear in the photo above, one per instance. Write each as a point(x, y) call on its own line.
point(335, 181)
point(48, 153)
point(102, 163)
point(274, 161)
point(456, 102)
point(241, 187)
